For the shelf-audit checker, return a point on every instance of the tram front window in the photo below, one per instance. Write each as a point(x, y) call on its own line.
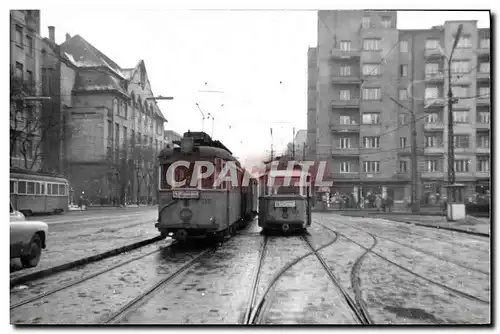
point(288, 191)
point(184, 175)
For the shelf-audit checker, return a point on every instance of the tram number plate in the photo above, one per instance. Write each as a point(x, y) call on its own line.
point(186, 194)
point(284, 204)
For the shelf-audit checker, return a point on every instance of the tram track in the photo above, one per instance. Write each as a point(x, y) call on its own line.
point(86, 278)
point(402, 229)
point(443, 286)
point(418, 250)
point(256, 310)
point(138, 301)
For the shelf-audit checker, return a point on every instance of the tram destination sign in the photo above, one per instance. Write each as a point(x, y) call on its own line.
point(284, 204)
point(186, 194)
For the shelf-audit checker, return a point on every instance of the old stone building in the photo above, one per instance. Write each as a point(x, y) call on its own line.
point(115, 127)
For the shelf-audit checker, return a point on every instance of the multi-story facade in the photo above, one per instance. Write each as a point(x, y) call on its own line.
point(26, 150)
point(311, 103)
point(365, 68)
point(115, 124)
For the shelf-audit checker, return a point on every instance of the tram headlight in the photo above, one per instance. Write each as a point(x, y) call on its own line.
point(212, 220)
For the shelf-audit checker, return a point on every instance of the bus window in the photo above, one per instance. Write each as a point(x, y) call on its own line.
point(62, 190)
point(13, 186)
point(21, 187)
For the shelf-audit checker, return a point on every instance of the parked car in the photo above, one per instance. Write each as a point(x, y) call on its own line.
point(27, 238)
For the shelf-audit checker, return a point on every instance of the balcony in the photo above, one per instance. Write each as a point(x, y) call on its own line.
point(435, 102)
point(433, 53)
point(483, 76)
point(483, 52)
point(482, 174)
point(483, 100)
point(402, 176)
point(434, 150)
point(344, 54)
point(354, 176)
point(432, 175)
point(345, 79)
point(353, 127)
point(434, 126)
point(404, 150)
point(464, 150)
point(353, 151)
point(434, 77)
point(483, 150)
point(483, 126)
point(352, 103)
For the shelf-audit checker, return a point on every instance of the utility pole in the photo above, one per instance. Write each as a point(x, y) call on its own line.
point(415, 205)
point(202, 116)
point(451, 149)
point(293, 144)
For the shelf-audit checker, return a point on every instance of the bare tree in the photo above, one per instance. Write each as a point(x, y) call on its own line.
point(28, 129)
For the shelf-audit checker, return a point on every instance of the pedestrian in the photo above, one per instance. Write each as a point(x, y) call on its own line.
point(389, 203)
point(378, 202)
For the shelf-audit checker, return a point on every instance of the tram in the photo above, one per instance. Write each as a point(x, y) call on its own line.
point(285, 206)
point(205, 210)
point(33, 192)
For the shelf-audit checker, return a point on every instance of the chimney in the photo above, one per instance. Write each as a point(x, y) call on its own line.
point(52, 33)
point(68, 36)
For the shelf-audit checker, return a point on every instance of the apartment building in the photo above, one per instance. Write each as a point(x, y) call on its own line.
point(364, 65)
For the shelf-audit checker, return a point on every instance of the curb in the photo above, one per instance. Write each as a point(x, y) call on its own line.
point(94, 258)
point(487, 235)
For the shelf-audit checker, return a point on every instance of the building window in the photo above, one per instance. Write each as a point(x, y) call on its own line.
point(460, 117)
point(484, 43)
point(371, 142)
point(345, 95)
point(403, 46)
point(459, 91)
point(115, 107)
point(19, 36)
point(432, 165)
point(483, 164)
point(371, 69)
point(432, 118)
point(403, 70)
point(403, 95)
point(386, 22)
point(371, 44)
point(403, 119)
point(29, 78)
point(460, 66)
point(431, 44)
point(483, 141)
point(117, 135)
point(344, 120)
point(345, 167)
point(345, 142)
point(29, 42)
point(431, 92)
point(371, 94)
point(464, 42)
point(402, 142)
point(462, 166)
point(345, 45)
point(371, 166)
point(484, 91)
point(403, 166)
point(371, 118)
point(431, 68)
point(19, 70)
point(365, 22)
point(345, 70)
point(432, 141)
point(461, 141)
point(483, 117)
point(110, 134)
point(484, 67)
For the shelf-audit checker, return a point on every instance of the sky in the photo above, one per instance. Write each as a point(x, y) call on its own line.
point(254, 62)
